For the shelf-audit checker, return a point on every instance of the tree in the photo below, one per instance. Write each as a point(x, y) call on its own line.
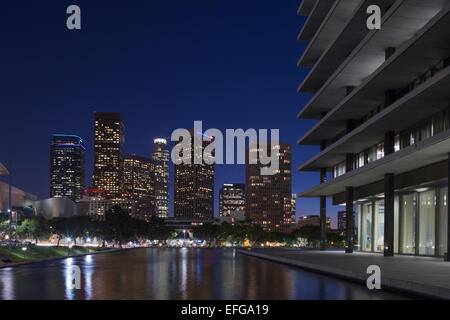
point(119, 225)
point(78, 227)
point(34, 228)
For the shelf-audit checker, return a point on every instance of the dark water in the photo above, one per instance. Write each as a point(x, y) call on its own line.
point(177, 273)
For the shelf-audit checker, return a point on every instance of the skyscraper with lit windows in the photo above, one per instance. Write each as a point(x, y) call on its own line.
point(269, 197)
point(160, 156)
point(138, 185)
point(231, 198)
point(67, 166)
point(194, 186)
point(109, 142)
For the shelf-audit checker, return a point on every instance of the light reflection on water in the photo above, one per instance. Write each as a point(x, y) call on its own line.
point(165, 273)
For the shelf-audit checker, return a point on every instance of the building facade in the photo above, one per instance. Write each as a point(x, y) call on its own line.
point(67, 169)
point(231, 198)
point(138, 185)
point(160, 156)
point(194, 183)
point(382, 121)
point(268, 197)
point(109, 143)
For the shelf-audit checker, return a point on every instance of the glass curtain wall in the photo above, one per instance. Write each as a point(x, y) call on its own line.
point(366, 227)
point(442, 220)
point(427, 223)
point(420, 223)
point(379, 226)
point(408, 223)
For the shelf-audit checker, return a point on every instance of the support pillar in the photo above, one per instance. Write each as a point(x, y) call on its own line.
point(349, 220)
point(389, 142)
point(323, 213)
point(389, 214)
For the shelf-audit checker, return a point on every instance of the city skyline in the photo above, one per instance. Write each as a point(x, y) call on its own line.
point(140, 83)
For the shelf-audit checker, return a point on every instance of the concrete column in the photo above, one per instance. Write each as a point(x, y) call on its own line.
point(389, 142)
point(348, 162)
point(447, 255)
point(388, 214)
point(349, 219)
point(323, 213)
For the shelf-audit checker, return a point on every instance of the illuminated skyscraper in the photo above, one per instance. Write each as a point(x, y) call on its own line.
point(139, 185)
point(231, 198)
point(66, 166)
point(194, 186)
point(268, 197)
point(160, 156)
point(108, 152)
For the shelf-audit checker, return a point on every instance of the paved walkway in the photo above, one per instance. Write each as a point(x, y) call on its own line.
point(418, 275)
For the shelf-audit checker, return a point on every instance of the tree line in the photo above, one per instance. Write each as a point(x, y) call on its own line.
point(118, 227)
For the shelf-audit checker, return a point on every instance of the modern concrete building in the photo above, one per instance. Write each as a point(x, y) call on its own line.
point(67, 166)
point(56, 207)
point(138, 185)
point(194, 182)
point(3, 170)
point(381, 103)
point(19, 198)
point(231, 198)
point(109, 140)
point(160, 156)
point(268, 197)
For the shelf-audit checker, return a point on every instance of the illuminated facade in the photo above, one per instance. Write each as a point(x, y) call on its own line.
point(108, 152)
point(138, 185)
point(231, 198)
point(268, 197)
point(67, 166)
point(380, 102)
point(95, 203)
point(160, 156)
point(194, 186)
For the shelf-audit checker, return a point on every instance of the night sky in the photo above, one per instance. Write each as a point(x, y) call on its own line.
point(162, 64)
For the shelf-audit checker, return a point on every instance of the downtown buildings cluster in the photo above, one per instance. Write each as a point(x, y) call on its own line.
point(140, 185)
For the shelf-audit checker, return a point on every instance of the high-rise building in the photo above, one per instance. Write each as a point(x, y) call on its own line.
point(268, 197)
point(67, 166)
point(194, 185)
point(381, 106)
point(138, 185)
point(109, 142)
point(231, 198)
point(160, 156)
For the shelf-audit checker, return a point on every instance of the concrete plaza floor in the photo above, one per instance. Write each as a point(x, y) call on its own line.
point(417, 275)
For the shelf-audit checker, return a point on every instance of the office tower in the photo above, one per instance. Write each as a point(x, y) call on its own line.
point(268, 197)
point(160, 156)
point(341, 218)
point(108, 152)
point(231, 198)
point(67, 166)
point(194, 186)
point(381, 107)
point(138, 185)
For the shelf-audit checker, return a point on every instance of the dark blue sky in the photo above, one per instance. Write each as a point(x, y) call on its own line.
point(162, 64)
